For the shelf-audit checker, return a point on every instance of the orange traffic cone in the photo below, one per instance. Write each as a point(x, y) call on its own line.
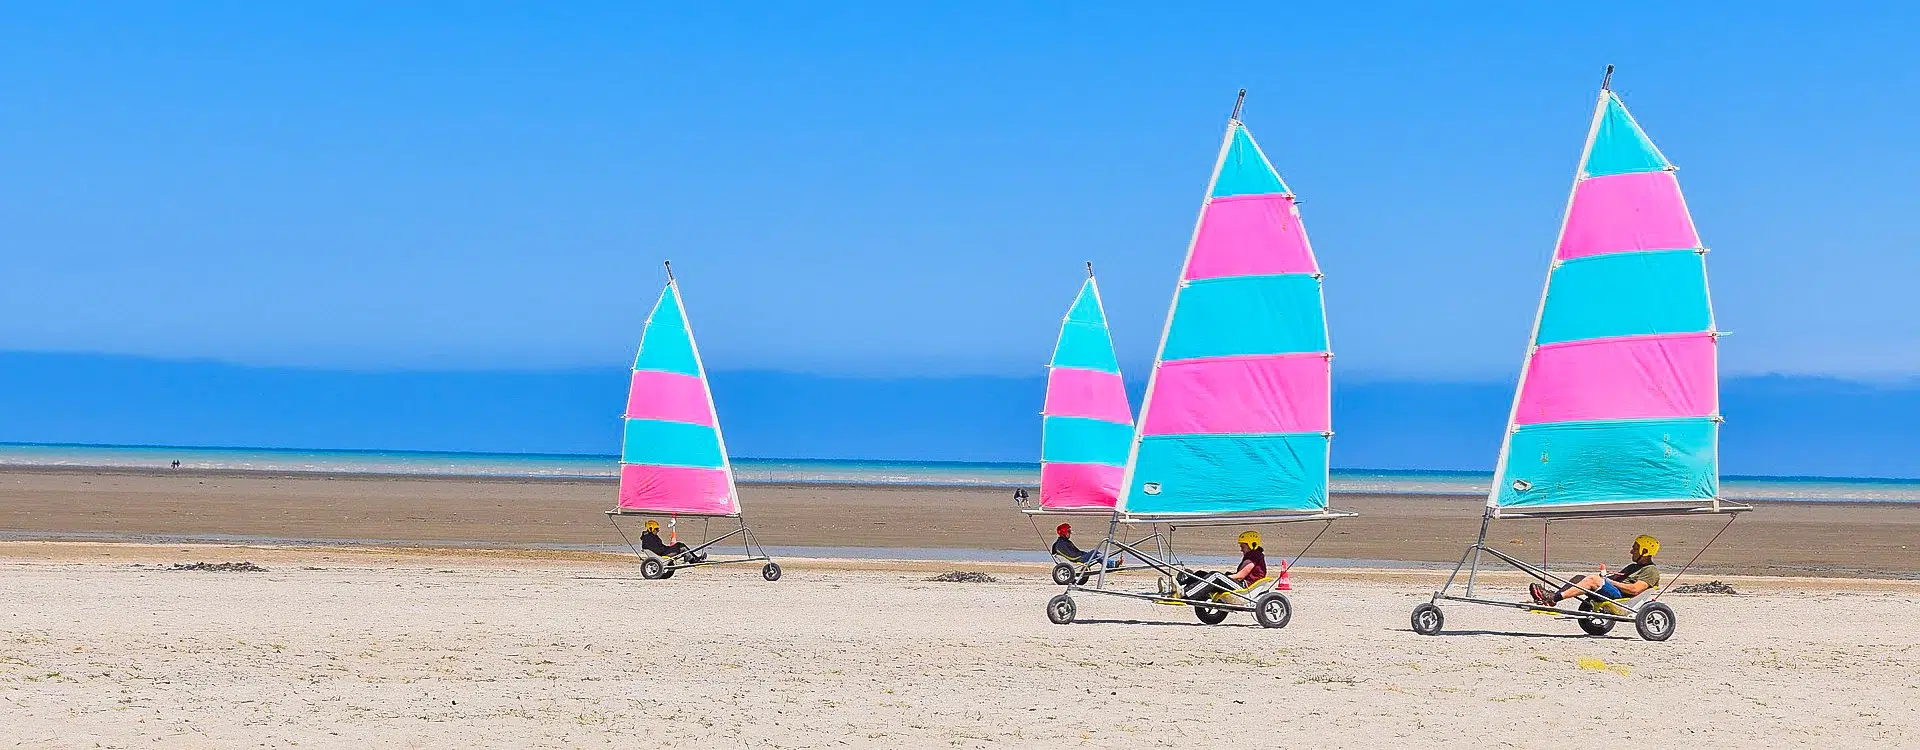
point(1286, 578)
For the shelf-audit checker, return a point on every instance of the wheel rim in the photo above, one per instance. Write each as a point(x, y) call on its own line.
point(1658, 622)
point(1274, 609)
point(1428, 619)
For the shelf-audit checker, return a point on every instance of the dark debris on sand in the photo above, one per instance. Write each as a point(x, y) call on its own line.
point(225, 567)
point(1710, 587)
point(962, 576)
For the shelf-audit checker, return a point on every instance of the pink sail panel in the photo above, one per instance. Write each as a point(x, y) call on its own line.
point(1065, 486)
point(1241, 395)
point(1626, 213)
point(1073, 392)
point(676, 489)
point(1640, 377)
point(669, 396)
point(1250, 235)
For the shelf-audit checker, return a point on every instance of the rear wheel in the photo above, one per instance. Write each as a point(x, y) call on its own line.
point(1427, 619)
point(668, 573)
point(1655, 622)
point(1272, 610)
point(1060, 609)
point(1210, 615)
point(1594, 625)
point(1062, 574)
point(652, 568)
point(770, 571)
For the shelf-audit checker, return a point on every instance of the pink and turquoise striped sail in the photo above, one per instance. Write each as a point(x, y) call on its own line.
point(1237, 417)
point(1087, 425)
point(1619, 401)
point(673, 459)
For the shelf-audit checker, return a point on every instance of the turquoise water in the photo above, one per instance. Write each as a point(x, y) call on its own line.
point(810, 471)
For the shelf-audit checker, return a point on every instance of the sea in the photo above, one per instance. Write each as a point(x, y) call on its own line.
point(820, 471)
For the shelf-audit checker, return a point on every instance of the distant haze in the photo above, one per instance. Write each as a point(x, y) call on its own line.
point(1776, 425)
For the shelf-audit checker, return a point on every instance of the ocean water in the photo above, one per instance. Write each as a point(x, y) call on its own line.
point(820, 471)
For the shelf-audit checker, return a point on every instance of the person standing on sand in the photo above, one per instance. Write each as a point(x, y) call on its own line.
point(650, 541)
point(1629, 582)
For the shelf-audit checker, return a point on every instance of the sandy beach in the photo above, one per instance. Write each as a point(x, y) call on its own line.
point(102, 646)
point(1856, 539)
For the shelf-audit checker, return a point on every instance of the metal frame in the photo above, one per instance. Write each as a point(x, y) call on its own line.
point(1168, 564)
point(748, 543)
point(1470, 560)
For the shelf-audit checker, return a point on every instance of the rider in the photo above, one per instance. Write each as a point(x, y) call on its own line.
point(1065, 547)
point(650, 541)
point(1253, 567)
point(1628, 582)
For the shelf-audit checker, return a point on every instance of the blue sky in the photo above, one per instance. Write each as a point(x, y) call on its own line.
point(910, 189)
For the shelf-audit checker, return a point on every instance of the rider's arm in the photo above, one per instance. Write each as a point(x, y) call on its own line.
point(1631, 588)
point(1245, 571)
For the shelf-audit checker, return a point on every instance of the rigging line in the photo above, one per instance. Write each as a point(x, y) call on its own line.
point(623, 536)
point(1316, 537)
point(1696, 558)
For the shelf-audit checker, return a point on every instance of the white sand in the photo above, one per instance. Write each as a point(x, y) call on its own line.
point(462, 656)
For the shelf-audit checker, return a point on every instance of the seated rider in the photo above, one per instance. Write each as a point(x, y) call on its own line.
point(1065, 547)
point(1253, 567)
point(650, 541)
point(1628, 582)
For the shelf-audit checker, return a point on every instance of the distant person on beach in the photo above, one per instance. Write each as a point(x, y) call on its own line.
point(176, 464)
point(1065, 547)
point(650, 541)
point(1253, 567)
point(1628, 582)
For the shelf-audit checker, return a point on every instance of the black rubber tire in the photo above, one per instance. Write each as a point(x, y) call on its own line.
point(668, 573)
point(770, 571)
point(1427, 619)
point(1062, 574)
point(1060, 609)
point(652, 569)
point(1272, 610)
point(1083, 579)
point(1594, 625)
point(1211, 615)
point(1656, 622)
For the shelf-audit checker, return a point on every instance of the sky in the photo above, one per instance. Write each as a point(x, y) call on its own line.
point(910, 189)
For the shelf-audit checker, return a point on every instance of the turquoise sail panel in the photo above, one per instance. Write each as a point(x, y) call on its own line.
point(1615, 461)
point(1620, 146)
point(1079, 440)
point(663, 443)
point(1086, 307)
point(1207, 474)
point(666, 346)
point(1086, 346)
point(1245, 171)
point(1626, 294)
point(1240, 315)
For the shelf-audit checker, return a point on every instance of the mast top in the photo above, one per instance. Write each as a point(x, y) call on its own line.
point(1089, 269)
point(1235, 117)
point(1607, 82)
point(669, 265)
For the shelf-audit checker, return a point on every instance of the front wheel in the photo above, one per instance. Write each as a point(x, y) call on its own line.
point(1594, 625)
point(1060, 609)
point(652, 569)
point(1210, 615)
point(1427, 619)
point(1272, 610)
point(1655, 622)
point(770, 571)
point(1063, 574)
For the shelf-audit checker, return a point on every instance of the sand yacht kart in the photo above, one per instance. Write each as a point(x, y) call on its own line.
point(1263, 598)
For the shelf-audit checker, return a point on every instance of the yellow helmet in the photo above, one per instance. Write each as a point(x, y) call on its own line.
point(653, 525)
point(1250, 538)
point(1644, 545)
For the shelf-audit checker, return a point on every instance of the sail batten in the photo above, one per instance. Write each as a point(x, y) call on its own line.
point(1618, 401)
point(1237, 418)
point(1086, 424)
point(673, 458)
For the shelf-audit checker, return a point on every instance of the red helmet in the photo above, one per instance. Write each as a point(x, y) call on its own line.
point(1064, 529)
